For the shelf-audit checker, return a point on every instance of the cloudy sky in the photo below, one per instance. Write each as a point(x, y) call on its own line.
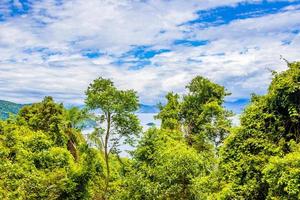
point(57, 47)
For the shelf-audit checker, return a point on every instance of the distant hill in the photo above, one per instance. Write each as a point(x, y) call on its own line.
point(148, 109)
point(7, 107)
point(142, 108)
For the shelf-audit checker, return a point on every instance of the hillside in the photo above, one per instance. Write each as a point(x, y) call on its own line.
point(148, 109)
point(7, 107)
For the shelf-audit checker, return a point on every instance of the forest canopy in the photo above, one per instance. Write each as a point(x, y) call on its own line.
point(195, 154)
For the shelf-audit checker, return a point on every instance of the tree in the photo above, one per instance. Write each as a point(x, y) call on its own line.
point(203, 115)
point(34, 166)
point(46, 116)
point(170, 113)
point(117, 121)
point(200, 114)
point(55, 120)
point(201, 118)
point(77, 117)
point(283, 175)
point(251, 157)
point(163, 167)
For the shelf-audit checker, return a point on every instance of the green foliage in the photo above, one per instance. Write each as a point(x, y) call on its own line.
point(268, 125)
point(102, 94)
point(46, 116)
point(77, 118)
point(43, 157)
point(203, 114)
point(283, 176)
point(242, 158)
point(209, 186)
point(196, 155)
point(284, 102)
point(116, 109)
point(117, 121)
point(200, 115)
point(163, 167)
point(32, 167)
point(169, 114)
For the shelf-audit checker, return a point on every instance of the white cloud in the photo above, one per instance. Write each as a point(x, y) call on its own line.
point(41, 51)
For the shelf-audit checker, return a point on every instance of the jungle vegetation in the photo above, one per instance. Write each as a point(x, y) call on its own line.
point(196, 154)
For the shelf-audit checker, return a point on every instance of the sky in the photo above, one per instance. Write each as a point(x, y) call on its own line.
point(57, 47)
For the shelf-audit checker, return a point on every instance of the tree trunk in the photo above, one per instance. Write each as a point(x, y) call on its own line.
point(106, 156)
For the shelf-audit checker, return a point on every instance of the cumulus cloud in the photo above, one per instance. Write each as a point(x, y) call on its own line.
point(42, 49)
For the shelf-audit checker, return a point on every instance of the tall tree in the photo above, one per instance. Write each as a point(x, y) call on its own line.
point(53, 119)
point(117, 121)
point(46, 116)
point(170, 113)
point(200, 114)
point(256, 159)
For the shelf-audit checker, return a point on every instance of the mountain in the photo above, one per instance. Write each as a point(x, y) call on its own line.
point(142, 108)
point(148, 109)
point(7, 107)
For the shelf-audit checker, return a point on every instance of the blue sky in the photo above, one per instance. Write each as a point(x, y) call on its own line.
point(57, 47)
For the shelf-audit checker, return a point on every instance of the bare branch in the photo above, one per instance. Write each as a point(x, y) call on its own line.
point(282, 58)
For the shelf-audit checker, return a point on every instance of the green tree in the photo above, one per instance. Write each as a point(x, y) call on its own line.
point(117, 121)
point(201, 118)
point(200, 114)
point(268, 126)
point(170, 113)
point(163, 167)
point(283, 175)
point(53, 119)
point(44, 157)
point(46, 116)
point(77, 117)
point(34, 167)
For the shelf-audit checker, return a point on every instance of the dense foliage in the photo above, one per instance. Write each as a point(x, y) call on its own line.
point(42, 157)
point(196, 154)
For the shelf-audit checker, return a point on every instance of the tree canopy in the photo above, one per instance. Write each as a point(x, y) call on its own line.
point(196, 154)
point(117, 122)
